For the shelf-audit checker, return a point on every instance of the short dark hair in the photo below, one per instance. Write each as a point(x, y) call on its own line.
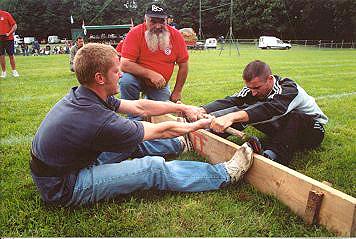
point(256, 68)
point(79, 37)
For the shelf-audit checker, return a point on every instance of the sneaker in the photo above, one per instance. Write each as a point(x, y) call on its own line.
point(255, 144)
point(3, 74)
point(185, 140)
point(238, 165)
point(186, 144)
point(15, 73)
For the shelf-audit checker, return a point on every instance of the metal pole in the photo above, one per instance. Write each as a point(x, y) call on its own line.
point(200, 31)
point(230, 28)
point(231, 12)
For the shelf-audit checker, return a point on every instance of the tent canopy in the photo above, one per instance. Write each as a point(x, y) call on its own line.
point(108, 27)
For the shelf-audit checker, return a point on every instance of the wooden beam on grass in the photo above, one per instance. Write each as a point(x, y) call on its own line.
point(337, 210)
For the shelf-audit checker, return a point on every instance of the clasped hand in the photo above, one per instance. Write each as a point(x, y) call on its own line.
point(217, 124)
point(157, 80)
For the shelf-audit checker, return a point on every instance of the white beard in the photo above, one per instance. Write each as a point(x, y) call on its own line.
point(158, 41)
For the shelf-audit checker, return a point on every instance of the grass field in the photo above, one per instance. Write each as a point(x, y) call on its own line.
point(238, 210)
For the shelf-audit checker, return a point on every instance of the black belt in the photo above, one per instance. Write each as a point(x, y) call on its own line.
point(42, 169)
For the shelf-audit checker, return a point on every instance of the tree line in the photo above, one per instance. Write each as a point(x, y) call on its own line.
point(287, 19)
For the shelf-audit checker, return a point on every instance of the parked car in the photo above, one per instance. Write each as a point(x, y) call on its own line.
point(210, 43)
point(28, 40)
point(268, 42)
point(53, 39)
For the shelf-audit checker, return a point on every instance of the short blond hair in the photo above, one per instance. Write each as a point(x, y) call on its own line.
point(91, 59)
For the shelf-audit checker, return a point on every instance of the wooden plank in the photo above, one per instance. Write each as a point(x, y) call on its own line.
point(337, 211)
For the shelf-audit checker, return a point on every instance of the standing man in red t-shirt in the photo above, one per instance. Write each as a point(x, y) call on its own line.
point(7, 28)
point(148, 56)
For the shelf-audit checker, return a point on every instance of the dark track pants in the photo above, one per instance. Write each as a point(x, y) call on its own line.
point(294, 132)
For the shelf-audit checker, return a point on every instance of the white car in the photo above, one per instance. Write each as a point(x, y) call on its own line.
point(268, 42)
point(210, 43)
point(53, 39)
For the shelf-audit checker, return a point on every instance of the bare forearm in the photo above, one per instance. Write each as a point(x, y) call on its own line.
point(151, 108)
point(134, 68)
point(181, 77)
point(13, 29)
point(239, 116)
point(221, 123)
point(171, 129)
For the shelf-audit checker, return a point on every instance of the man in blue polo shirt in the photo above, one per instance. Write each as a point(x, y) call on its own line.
point(81, 151)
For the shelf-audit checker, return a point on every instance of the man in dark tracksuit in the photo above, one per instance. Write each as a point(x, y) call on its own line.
point(277, 106)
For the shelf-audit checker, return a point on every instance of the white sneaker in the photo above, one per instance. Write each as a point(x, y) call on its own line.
point(3, 74)
point(238, 165)
point(15, 73)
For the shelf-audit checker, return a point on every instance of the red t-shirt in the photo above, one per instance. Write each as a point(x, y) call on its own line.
point(135, 49)
point(6, 23)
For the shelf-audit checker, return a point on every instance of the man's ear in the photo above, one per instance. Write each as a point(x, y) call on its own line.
point(270, 78)
point(99, 78)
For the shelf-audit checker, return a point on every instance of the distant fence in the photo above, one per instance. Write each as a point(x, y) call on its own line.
point(324, 43)
point(305, 43)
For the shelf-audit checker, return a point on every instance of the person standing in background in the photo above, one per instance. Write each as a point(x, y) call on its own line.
point(79, 43)
point(170, 22)
point(7, 28)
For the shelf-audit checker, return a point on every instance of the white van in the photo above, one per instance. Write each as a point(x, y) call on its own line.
point(53, 39)
point(210, 43)
point(267, 42)
point(28, 40)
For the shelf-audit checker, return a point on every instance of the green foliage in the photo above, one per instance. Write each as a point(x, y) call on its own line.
point(234, 211)
point(288, 19)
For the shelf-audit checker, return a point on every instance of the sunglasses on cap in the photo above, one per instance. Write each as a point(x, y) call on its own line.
point(155, 20)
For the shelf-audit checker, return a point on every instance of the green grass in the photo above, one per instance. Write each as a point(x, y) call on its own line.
point(237, 210)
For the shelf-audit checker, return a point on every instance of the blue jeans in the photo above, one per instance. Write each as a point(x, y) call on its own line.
point(131, 86)
point(115, 175)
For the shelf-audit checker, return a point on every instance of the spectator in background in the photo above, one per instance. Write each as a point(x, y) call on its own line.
point(36, 47)
point(67, 48)
point(47, 50)
point(24, 49)
point(170, 22)
point(55, 50)
point(7, 28)
point(61, 50)
point(79, 43)
point(149, 53)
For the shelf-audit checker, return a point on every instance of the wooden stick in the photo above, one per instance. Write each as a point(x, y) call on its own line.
point(236, 132)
